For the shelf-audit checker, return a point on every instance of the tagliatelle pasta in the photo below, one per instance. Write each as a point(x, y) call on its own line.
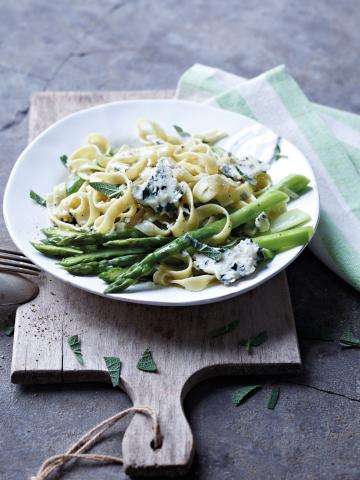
point(166, 187)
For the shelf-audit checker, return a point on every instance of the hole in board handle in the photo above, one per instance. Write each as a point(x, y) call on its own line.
point(152, 444)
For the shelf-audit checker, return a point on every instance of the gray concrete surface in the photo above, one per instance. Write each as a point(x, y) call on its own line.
point(139, 44)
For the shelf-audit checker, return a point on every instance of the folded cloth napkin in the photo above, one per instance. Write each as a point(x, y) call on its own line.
point(329, 138)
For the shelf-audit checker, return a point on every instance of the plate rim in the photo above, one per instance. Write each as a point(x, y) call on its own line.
point(119, 297)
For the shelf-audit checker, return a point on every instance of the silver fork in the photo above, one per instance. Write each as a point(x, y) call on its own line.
point(16, 262)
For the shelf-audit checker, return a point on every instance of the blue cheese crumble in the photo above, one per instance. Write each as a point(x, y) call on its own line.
point(232, 172)
point(262, 222)
point(161, 191)
point(237, 262)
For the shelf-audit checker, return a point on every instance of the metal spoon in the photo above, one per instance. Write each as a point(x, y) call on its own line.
point(16, 289)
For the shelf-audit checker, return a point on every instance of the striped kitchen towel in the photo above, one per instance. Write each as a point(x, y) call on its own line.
point(329, 138)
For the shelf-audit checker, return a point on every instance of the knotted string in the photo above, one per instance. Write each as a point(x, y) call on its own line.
point(91, 437)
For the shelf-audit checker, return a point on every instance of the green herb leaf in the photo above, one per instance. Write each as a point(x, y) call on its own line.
point(181, 132)
point(277, 153)
point(229, 327)
point(37, 198)
point(274, 397)
point(249, 179)
point(74, 185)
point(348, 339)
point(254, 341)
point(7, 329)
point(64, 159)
point(146, 362)
point(219, 150)
point(108, 189)
point(211, 252)
point(113, 364)
point(75, 345)
point(241, 393)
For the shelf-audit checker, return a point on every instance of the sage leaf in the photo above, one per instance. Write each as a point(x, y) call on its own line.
point(75, 345)
point(219, 150)
point(254, 341)
point(241, 393)
point(64, 160)
point(146, 362)
point(249, 179)
point(37, 198)
point(181, 132)
point(8, 330)
point(74, 184)
point(229, 327)
point(211, 252)
point(277, 153)
point(348, 339)
point(108, 189)
point(274, 397)
point(113, 365)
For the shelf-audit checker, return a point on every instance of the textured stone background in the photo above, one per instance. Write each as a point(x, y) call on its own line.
point(139, 44)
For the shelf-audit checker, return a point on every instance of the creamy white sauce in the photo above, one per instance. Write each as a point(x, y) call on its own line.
point(161, 190)
point(237, 262)
point(253, 149)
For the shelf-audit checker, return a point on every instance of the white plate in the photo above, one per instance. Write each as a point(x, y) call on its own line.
point(39, 168)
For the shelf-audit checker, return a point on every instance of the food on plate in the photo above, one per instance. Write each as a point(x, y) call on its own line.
point(183, 209)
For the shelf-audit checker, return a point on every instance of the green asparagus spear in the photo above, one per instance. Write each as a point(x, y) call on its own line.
point(268, 254)
point(84, 269)
point(239, 217)
point(66, 237)
point(147, 242)
point(93, 268)
point(55, 251)
point(296, 183)
point(56, 234)
point(281, 241)
point(110, 275)
point(100, 255)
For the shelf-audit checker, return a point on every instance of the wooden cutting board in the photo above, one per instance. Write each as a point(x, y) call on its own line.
point(177, 337)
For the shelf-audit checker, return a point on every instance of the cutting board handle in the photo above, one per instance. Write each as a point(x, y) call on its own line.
point(175, 455)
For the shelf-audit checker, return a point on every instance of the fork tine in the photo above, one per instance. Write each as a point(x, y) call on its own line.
point(20, 265)
point(23, 271)
point(14, 257)
point(13, 252)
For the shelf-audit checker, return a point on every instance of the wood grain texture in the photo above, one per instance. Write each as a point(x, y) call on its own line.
point(177, 336)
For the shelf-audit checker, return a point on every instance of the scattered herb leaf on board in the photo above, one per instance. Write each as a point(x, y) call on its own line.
point(37, 198)
point(274, 397)
point(229, 327)
point(146, 362)
point(75, 345)
point(8, 330)
point(64, 159)
point(108, 189)
point(240, 394)
point(254, 341)
point(113, 364)
point(181, 132)
point(348, 339)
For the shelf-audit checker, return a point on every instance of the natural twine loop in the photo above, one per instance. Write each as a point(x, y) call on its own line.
point(91, 437)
